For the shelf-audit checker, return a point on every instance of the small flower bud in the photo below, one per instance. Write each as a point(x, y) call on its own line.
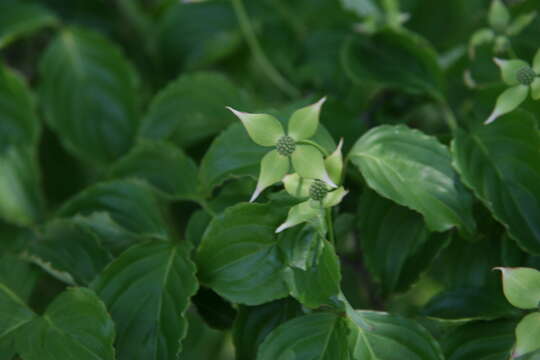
point(525, 75)
point(285, 146)
point(318, 190)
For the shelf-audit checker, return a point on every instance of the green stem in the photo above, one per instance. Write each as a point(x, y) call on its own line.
point(313, 143)
point(258, 53)
point(449, 115)
point(330, 226)
point(206, 207)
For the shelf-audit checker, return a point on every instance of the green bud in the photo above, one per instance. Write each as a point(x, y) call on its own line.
point(527, 335)
point(521, 286)
point(285, 146)
point(318, 190)
point(525, 75)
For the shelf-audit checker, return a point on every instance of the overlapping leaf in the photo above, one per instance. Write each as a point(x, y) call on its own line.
point(18, 19)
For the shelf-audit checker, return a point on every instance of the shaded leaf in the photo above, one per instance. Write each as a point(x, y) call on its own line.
point(88, 92)
point(18, 19)
point(147, 291)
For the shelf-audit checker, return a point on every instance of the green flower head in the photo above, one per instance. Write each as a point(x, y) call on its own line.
point(522, 78)
point(267, 131)
point(315, 193)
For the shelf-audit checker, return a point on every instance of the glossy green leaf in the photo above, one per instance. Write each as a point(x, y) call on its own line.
point(239, 257)
point(76, 324)
point(469, 303)
point(394, 58)
point(69, 251)
point(232, 154)
point(186, 42)
point(315, 336)
point(414, 170)
point(313, 274)
point(18, 19)
point(397, 246)
point(129, 203)
point(201, 342)
point(20, 196)
point(521, 286)
point(192, 108)
point(481, 340)
point(19, 124)
point(162, 165)
point(149, 285)
point(499, 162)
point(395, 338)
point(18, 275)
point(88, 93)
point(254, 323)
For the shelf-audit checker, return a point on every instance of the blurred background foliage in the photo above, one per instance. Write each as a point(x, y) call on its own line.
point(181, 62)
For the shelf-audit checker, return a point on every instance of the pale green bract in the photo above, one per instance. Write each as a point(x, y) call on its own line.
point(521, 286)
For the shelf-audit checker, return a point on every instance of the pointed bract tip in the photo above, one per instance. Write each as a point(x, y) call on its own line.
point(255, 195)
point(329, 181)
point(339, 146)
point(235, 112)
point(499, 62)
point(282, 227)
point(492, 118)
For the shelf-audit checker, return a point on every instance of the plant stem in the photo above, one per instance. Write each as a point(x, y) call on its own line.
point(330, 226)
point(258, 53)
point(313, 143)
point(449, 115)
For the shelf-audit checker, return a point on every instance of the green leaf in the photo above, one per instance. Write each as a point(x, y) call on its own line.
point(521, 287)
point(20, 196)
point(239, 256)
point(21, 200)
point(254, 323)
point(304, 122)
point(313, 274)
point(527, 335)
point(394, 59)
point(393, 337)
point(19, 19)
point(129, 203)
point(469, 303)
point(162, 165)
point(232, 154)
point(396, 244)
point(76, 324)
point(201, 342)
point(89, 95)
point(70, 251)
point(185, 42)
point(315, 336)
point(192, 108)
point(196, 226)
point(13, 313)
point(500, 163)
point(19, 124)
point(414, 170)
point(18, 275)
point(480, 340)
point(147, 291)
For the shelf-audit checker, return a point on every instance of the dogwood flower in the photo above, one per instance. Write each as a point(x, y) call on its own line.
point(523, 78)
point(306, 159)
point(315, 192)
